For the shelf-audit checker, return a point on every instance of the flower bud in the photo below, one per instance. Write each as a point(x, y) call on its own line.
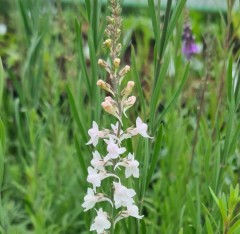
point(109, 99)
point(103, 63)
point(124, 71)
point(104, 85)
point(108, 106)
point(128, 89)
point(128, 103)
point(107, 43)
point(116, 62)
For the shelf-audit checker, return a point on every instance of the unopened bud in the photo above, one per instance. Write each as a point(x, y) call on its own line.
point(103, 63)
point(111, 109)
point(124, 71)
point(107, 43)
point(108, 107)
point(104, 85)
point(128, 103)
point(128, 89)
point(116, 62)
point(109, 99)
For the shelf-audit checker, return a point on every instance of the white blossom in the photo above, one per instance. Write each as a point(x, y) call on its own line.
point(131, 166)
point(113, 149)
point(132, 211)
point(122, 195)
point(141, 128)
point(97, 162)
point(115, 128)
point(95, 134)
point(94, 177)
point(101, 222)
point(91, 199)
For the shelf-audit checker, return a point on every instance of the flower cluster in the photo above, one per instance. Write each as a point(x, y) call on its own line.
point(107, 165)
point(102, 167)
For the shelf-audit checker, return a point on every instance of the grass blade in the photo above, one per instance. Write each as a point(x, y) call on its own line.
point(176, 95)
point(76, 115)
point(1, 82)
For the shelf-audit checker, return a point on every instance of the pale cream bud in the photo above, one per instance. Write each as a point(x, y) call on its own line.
point(104, 85)
point(108, 107)
point(111, 109)
point(103, 63)
point(109, 99)
point(124, 71)
point(116, 62)
point(128, 103)
point(107, 43)
point(128, 89)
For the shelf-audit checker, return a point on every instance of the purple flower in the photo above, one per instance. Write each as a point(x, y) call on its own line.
point(189, 47)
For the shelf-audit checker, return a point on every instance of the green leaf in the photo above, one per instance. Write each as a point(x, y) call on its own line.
point(155, 154)
point(209, 226)
point(80, 158)
point(181, 231)
point(175, 16)
point(137, 80)
point(81, 57)
point(88, 8)
point(76, 115)
point(155, 24)
point(157, 90)
point(235, 228)
point(229, 80)
point(1, 82)
point(176, 95)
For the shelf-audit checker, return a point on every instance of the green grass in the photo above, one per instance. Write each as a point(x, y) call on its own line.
point(49, 97)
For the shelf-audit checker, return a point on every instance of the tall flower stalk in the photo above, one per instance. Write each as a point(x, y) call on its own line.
point(120, 198)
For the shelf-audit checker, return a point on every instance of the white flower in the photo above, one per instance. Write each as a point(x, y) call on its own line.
point(113, 150)
point(94, 177)
point(131, 166)
point(131, 211)
point(115, 128)
point(91, 199)
point(95, 134)
point(141, 128)
point(101, 222)
point(97, 162)
point(122, 195)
